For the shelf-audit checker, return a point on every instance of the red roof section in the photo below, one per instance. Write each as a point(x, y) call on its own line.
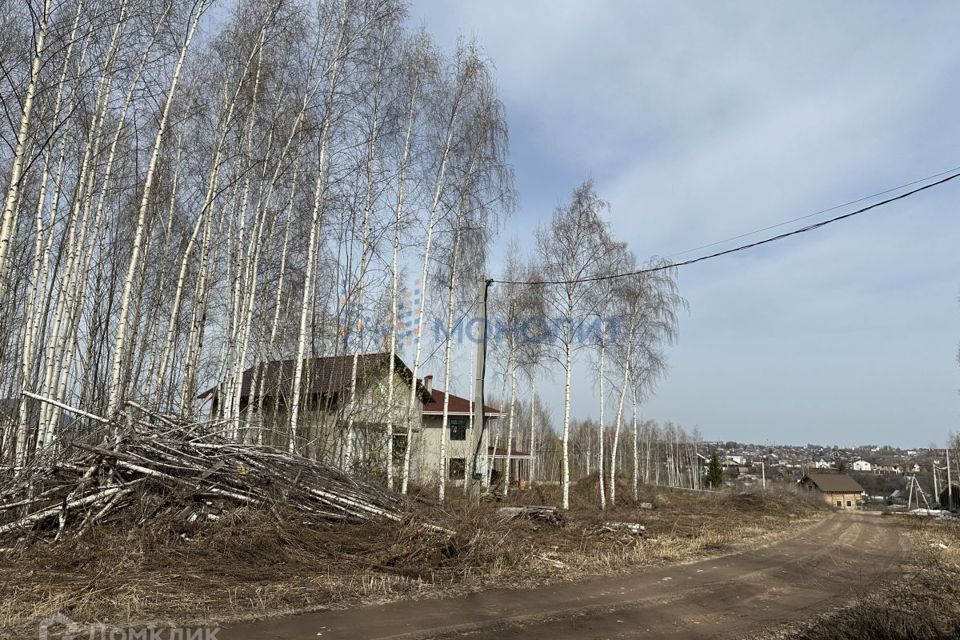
point(458, 405)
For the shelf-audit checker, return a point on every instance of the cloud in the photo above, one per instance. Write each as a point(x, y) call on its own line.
point(699, 122)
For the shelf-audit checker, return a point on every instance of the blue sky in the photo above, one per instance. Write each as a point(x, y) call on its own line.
point(700, 121)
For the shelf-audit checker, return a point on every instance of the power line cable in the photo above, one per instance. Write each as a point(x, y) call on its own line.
point(744, 247)
point(816, 213)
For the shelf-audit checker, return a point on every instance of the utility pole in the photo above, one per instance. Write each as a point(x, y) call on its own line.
point(921, 494)
point(949, 483)
point(936, 488)
point(763, 474)
point(474, 475)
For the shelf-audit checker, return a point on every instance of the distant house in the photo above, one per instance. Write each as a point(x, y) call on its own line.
point(732, 465)
point(836, 489)
point(888, 467)
point(862, 465)
point(823, 464)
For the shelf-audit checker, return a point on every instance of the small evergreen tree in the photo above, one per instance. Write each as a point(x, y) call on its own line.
point(714, 473)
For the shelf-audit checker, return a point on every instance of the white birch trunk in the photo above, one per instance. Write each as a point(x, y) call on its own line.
point(567, 366)
point(447, 365)
point(513, 399)
point(60, 343)
point(636, 441)
point(250, 274)
point(319, 195)
point(259, 387)
point(616, 433)
point(42, 243)
point(424, 286)
point(533, 429)
point(10, 203)
point(116, 382)
point(603, 402)
point(366, 251)
point(395, 278)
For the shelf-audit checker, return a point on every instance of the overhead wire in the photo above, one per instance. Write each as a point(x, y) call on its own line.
point(816, 213)
point(743, 247)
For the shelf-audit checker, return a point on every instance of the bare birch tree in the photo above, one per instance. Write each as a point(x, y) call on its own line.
point(570, 252)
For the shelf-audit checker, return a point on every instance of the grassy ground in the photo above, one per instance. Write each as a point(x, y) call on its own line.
point(254, 564)
point(923, 604)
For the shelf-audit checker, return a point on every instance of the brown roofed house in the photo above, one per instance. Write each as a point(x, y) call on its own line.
point(343, 418)
point(836, 489)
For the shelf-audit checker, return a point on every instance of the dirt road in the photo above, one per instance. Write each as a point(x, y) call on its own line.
point(727, 597)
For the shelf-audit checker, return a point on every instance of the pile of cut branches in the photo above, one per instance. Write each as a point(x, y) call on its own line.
point(140, 469)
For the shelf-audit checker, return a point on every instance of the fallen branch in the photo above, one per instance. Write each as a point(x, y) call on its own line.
point(65, 407)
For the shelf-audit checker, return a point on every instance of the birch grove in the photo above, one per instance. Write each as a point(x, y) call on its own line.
point(204, 198)
point(195, 189)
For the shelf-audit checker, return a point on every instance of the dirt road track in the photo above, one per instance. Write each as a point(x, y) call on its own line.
point(727, 597)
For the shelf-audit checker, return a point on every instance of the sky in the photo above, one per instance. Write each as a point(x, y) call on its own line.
point(701, 121)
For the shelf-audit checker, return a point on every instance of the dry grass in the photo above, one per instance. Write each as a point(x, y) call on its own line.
point(254, 564)
point(924, 604)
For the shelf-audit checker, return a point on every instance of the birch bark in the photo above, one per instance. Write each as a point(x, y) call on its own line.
point(10, 203)
point(438, 186)
point(116, 390)
point(319, 191)
point(395, 275)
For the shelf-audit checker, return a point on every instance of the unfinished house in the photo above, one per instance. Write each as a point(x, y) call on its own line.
point(836, 489)
point(340, 422)
point(345, 424)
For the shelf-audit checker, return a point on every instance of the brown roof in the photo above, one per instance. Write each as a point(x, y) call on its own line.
point(834, 482)
point(323, 376)
point(457, 406)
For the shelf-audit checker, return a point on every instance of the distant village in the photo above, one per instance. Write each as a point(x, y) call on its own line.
point(884, 472)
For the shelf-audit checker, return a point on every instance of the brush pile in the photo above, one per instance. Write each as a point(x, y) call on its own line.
point(550, 515)
point(155, 467)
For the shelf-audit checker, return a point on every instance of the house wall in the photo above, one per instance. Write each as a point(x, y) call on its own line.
point(326, 428)
point(843, 499)
point(429, 465)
